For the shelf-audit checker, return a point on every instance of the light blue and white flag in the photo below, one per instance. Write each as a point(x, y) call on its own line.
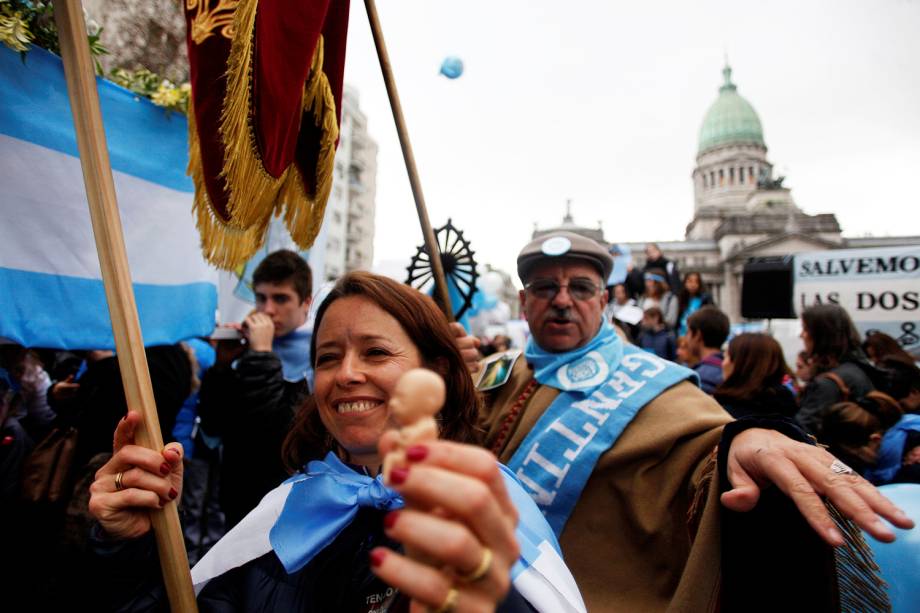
point(51, 292)
point(306, 513)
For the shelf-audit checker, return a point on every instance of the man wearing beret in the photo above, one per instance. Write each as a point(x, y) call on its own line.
point(618, 448)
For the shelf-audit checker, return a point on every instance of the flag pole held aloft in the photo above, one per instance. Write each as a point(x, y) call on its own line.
point(113, 260)
point(430, 242)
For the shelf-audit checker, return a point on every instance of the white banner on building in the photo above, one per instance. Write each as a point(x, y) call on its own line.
point(879, 287)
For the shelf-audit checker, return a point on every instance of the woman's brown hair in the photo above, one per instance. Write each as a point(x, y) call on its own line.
point(847, 427)
point(757, 363)
point(879, 346)
point(834, 337)
point(428, 329)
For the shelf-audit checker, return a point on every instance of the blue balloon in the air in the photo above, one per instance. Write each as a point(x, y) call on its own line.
point(452, 67)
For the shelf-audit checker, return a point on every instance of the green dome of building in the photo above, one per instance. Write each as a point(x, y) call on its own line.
point(730, 120)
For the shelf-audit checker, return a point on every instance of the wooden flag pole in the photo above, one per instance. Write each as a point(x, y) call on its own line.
point(434, 253)
point(113, 260)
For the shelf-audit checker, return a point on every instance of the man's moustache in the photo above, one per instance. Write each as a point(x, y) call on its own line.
point(563, 314)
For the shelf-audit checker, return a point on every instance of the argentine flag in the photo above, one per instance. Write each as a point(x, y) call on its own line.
point(51, 292)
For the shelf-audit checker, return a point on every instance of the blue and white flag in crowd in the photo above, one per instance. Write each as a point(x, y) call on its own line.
point(306, 513)
point(51, 292)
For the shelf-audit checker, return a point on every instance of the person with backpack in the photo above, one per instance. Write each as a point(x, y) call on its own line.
point(841, 369)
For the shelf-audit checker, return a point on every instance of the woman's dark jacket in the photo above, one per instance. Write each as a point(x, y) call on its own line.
point(822, 392)
point(250, 407)
point(772, 400)
point(338, 579)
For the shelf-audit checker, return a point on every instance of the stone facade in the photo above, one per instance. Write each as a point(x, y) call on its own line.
point(148, 34)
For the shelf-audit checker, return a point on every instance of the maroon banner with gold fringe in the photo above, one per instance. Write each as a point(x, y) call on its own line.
point(264, 117)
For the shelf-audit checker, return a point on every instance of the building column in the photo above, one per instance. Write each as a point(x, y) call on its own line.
point(731, 294)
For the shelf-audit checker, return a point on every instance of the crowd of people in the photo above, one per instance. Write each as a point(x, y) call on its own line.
point(856, 395)
point(631, 454)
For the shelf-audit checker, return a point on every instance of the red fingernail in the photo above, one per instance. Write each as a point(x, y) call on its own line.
point(173, 493)
point(164, 469)
point(377, 555)
point(417, 453)
point(399, 475)
point(161, 502)
point(390, 519)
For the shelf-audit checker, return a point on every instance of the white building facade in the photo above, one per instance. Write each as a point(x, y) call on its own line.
point(740, 211)
point(349, 222)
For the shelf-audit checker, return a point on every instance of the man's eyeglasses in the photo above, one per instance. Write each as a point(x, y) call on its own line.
point(546, 289)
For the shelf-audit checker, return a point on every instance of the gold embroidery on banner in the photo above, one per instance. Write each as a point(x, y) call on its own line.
point(207, 19)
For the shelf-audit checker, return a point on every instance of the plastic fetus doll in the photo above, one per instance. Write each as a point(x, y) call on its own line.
point(418, 397)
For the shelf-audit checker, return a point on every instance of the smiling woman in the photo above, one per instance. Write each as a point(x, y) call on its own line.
point(441, 531)
point(368, 331)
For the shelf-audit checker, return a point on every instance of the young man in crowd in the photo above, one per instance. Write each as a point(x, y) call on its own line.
point(707, 330)
point(249, 397)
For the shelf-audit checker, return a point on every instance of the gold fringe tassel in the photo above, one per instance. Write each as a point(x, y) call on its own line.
point(222, 245)
point(254, 196)
point(304, 221)
point(251, 190)
point(859, 582)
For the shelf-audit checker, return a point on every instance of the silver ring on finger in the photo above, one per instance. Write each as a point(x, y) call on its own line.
point(839, 468)
point(119, 481)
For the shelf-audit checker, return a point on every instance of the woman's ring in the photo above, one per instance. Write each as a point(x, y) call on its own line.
point(450, 603)
point(839, 468)
point(484, 565)
point(119, 485)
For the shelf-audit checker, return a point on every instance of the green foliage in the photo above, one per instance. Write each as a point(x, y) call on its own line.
point(148, 84)
point(140, 81)
point(31, 22)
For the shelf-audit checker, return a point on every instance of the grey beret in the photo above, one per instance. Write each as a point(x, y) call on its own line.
point(564, 245)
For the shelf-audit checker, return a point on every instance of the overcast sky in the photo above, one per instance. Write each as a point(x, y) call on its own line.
point(602, 102)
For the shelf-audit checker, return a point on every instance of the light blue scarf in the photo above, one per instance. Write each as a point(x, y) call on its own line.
point(585, 368)
point(293, 349)
point(325, 499)
point(603, 385)
point(306, 513)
